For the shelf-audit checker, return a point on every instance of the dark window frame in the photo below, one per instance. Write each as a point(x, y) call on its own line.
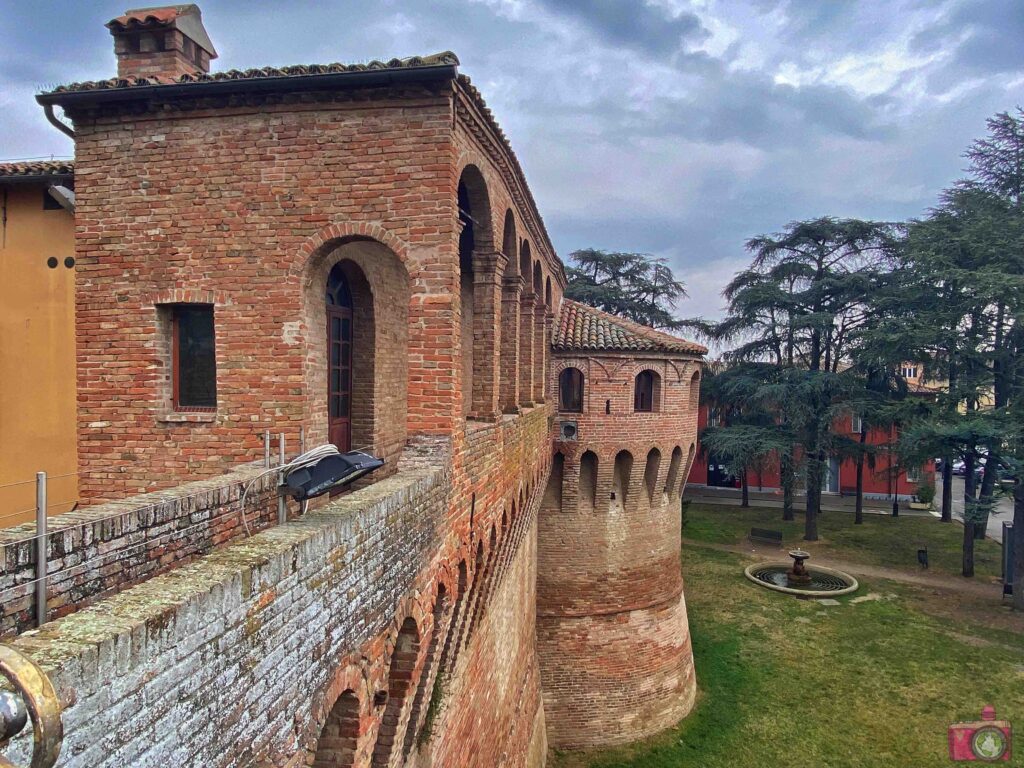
point(577, 387)
point(176, 311)
point(648, 393)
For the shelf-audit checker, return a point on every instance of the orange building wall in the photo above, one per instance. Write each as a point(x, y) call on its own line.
point(37, 355)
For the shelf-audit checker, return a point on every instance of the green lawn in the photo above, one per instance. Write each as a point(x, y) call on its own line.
point(880, 540)
point(788, 682)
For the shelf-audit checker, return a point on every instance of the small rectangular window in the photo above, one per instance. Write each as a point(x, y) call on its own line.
point(856, 425)
point(913, 474)
point(194, 358)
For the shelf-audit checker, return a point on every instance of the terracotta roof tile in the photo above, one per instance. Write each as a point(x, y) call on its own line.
point(37, 168)
point(584, 328)
point(300, 70)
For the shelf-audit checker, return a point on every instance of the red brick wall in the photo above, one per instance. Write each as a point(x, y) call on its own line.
point(613, 640)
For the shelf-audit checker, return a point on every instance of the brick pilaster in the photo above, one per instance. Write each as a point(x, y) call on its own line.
point(487, 301)
point(526, 367)
point(511, 296)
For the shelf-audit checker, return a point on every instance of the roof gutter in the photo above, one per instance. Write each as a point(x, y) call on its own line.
point(284, 83)
point(62, 127)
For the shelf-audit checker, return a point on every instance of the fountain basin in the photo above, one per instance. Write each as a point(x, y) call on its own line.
point(823, 582)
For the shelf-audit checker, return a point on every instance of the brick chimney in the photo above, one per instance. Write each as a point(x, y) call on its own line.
point(164, 42)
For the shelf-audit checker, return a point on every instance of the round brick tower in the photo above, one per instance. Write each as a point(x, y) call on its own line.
point(613, 635)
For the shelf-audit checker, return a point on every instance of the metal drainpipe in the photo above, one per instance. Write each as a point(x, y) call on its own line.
point(63, 128)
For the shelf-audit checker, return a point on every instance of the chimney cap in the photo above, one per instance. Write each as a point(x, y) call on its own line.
point(186, 18)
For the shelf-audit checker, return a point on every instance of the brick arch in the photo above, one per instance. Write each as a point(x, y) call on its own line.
point(328, 720)
point(330, 236)
point(694, 393)
point(510, 243)
point(622, 471)
point(652, 470)
point(475, 165)
point(441, 613)
point(184, 295)
point(687, 467)
point(675, 464)
point(382, 292)
point(402, 676)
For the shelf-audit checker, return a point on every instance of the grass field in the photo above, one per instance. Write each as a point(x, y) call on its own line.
point(880, 540)
point(787, 682)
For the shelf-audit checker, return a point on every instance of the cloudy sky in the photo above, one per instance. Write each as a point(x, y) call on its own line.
point(674, 127)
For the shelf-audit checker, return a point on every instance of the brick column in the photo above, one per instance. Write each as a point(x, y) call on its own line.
point(487, 270)
point(539, 356)
point(511, 294)
point(526, 337)
point(549, 324)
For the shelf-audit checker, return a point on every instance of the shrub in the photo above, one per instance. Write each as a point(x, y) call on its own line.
point(925, 493)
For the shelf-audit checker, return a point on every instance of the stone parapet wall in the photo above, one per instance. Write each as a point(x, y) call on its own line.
point(106, 548)
point(227, 661)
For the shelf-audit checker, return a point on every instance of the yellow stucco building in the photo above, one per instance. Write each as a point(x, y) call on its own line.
point(37, 338)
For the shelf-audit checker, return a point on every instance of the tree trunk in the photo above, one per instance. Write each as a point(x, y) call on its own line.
point(858, 517)
point(969, 511)
point(1018, 545)
point(813, 496)
point(947, 489)
point(968, 570)
point(788, 478)
point(988, 484)
point(745, 485)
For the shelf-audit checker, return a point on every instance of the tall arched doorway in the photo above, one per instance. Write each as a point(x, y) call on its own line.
point(339, 359)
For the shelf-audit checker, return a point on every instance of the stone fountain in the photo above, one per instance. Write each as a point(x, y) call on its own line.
point(799, 579)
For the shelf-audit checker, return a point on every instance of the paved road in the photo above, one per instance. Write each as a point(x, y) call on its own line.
point(1002, 513)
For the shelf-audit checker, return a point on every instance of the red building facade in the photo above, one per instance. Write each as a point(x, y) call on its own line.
point(885, 478)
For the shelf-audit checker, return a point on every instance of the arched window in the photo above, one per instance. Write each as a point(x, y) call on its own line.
point(646, 392)
point(695, 390)
point(340, 338)
point(570, 390)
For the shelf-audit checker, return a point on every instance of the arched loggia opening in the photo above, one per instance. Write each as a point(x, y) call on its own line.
point(526, 319)
point(479, 296)
point(539, 342)
point(511, 294)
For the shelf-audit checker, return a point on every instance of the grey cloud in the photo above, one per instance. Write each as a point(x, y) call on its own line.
point(633, 23)
point(630, 137)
